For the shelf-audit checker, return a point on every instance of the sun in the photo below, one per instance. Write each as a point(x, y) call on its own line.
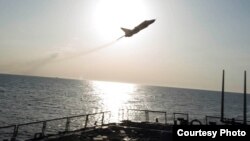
point(110, 15)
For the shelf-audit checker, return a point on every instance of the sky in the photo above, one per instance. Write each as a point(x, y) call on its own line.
point(188, 46)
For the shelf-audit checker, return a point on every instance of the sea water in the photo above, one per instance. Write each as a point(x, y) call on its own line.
point(26, 99)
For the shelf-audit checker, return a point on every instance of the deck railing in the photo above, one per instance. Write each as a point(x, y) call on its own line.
point(63, 125)
point(216, 120)
point(56, 126)
point(145, 115)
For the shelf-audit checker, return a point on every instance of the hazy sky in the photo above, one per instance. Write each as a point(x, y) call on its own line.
point(188, 45)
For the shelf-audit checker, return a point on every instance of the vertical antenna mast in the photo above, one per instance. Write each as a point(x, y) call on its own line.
point(222, 96)
point(245, 99)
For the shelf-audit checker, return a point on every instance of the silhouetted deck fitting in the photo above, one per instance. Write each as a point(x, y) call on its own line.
point(245, 99)
point(146, 113)
point(183, 119)
point(222, 95)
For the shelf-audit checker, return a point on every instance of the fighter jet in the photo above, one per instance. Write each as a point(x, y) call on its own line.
point(131, 32)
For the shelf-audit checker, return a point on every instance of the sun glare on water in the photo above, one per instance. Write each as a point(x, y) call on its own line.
point(110, 15)
point(113, 95)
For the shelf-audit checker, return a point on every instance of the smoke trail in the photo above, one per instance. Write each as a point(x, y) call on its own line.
point(28, 67)
point(36, 64)
point(95, 49)
point(87, 52)
point(120, 37)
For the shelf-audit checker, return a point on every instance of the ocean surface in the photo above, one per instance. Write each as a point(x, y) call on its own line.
point(26, 99)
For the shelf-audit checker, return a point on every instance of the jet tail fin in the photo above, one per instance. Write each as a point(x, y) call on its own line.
point(128, 32)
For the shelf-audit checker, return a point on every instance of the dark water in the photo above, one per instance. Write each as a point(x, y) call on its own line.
point(24, 99)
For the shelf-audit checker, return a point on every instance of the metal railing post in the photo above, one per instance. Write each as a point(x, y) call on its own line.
point(102, 118)
point(127, 114)
point(86, 121)
point(165, 117)
point(122, 114)
point(206, 119)
point(44, 128)
point(67, 126)
point(147, 115)
point(15, 133)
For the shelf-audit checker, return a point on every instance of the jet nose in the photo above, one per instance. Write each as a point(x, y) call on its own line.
point(152, 21)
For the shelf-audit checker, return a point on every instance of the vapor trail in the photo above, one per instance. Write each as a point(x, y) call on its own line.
point(38, 63)
point(120, 37)
point(87, 52)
